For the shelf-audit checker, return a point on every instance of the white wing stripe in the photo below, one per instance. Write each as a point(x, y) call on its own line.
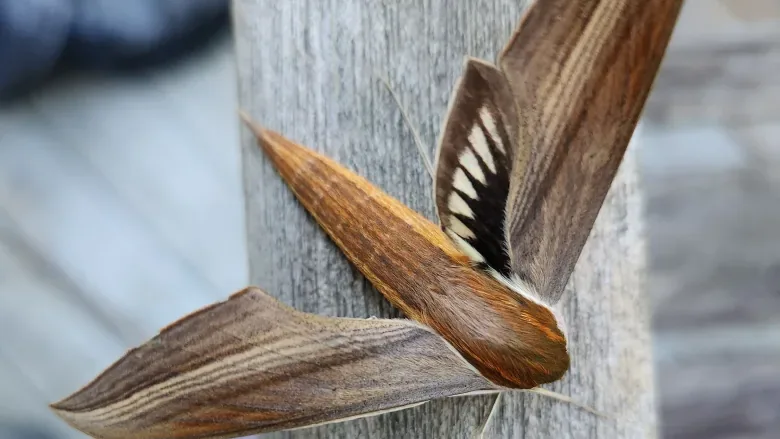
point(462, 183)
point(457, 205)
point(470, 163)
point(460, 229)
point(480, 145)
point(470, 251)
point(492, 130)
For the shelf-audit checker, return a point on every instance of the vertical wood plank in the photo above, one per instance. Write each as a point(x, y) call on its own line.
point(309, 69)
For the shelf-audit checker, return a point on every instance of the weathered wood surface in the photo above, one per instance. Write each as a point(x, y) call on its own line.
point(309, 69)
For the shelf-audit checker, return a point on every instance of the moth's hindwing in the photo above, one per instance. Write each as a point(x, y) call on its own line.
point(476, 151)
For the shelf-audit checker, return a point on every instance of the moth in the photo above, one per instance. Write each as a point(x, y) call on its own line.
point(527, 153)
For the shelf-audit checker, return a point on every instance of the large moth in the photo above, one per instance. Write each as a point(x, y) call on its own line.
point(526, 156)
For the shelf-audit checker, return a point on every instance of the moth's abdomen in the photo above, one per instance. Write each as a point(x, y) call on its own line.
point(511, 340)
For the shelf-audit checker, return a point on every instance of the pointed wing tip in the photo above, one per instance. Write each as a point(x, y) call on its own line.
point(71, 404)
point(259, 132)
point(60, 407)
point(63, 405)
point(70, 410)
point(264, 135)
point(78, 408)
point(65, 410)
point(68, 407)
point(268, 140)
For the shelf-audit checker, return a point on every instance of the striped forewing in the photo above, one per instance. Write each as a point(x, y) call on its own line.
point(580, 72)
point(251, 364)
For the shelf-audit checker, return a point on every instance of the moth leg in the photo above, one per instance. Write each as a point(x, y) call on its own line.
point(417, 140)
point(493, 409)
point(567, 399)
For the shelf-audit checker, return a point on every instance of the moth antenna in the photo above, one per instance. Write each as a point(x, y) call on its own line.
point(417, 140)
point(491, 415)
point(567, 399)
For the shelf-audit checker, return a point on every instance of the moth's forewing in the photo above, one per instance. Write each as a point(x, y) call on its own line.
point(580, 73)
point(252, 364)
point(475, 155)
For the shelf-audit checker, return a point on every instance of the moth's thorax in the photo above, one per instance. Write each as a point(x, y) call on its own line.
point(509, 338)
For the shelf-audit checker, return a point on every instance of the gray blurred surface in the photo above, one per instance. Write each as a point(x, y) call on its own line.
point(711, 173)
point(121, 210)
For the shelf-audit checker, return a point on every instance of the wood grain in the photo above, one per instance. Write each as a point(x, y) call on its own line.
point(309, 69)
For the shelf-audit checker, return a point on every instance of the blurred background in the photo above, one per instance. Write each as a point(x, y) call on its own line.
point(120, 187)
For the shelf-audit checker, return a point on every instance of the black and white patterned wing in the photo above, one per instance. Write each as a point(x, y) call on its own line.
point(476, 152)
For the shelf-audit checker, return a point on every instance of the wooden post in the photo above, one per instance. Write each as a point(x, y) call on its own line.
point(310, 69)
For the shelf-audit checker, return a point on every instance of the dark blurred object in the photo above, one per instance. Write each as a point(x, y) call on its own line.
point(117, 33)
point(36, 36)
point(33, 33)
